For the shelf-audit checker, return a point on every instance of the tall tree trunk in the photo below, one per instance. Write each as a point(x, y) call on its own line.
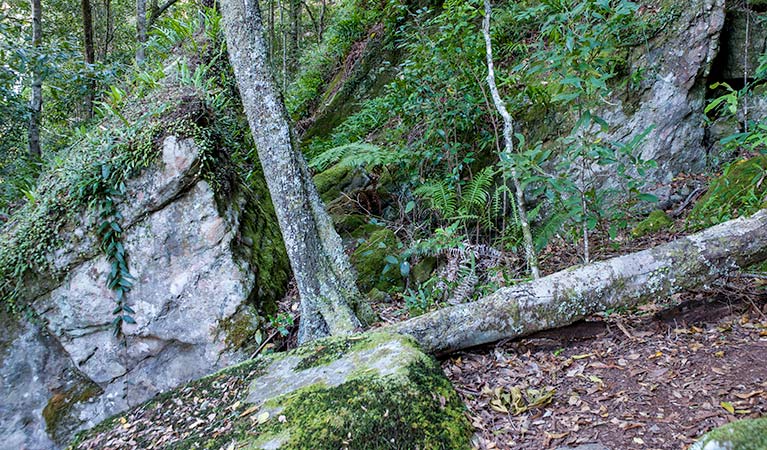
point(322, 22)
point(280, 6)
point(140, 30)
point(271, 32)
point(573, 294)
point(508, 130)
point(36, 102)
point(89, 53)
point(155, 11)
point(108, 30)
point(295, 32)
point(323, 274)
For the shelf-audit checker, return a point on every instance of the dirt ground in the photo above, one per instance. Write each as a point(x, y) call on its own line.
point(653, 378)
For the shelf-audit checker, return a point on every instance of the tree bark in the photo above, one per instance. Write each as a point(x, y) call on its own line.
point(323, 273)
point(36, 101)
point(140, 30)
point(156, 11)
point(108, 30)
point(573, 294)
point(295, 32)
point(508, 130)
point(89, 53)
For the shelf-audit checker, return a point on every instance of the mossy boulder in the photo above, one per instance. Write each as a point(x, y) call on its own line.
point(656, 221)
point(748, 434)
point(741, 190)
point(338, 179)
point(369, 391)
point(370, 260)
point(423, 270)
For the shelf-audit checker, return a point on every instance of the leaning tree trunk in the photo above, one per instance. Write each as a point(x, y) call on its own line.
point(570, 295)
point(323, 274)
point(36, 102)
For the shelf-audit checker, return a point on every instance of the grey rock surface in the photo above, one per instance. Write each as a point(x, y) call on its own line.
point(671, 96)
point(67, 371)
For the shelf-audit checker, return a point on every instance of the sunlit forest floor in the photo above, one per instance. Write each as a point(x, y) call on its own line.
point(654, 378)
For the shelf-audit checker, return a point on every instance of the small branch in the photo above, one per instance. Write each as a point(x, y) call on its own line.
point(155, 13)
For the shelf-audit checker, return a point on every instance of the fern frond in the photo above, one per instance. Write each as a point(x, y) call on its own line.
point(440, 196)
point(358, 153)
point(476, 191)
point(370, 156)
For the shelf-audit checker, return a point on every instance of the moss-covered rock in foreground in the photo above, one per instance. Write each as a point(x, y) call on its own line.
point(740, 435)
point(364, 392)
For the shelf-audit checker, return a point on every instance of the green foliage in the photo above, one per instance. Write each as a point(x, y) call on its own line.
point(433, 119)
point(740, 190)
point(352, 20)
point(105, 188)
point(354, 155)
point(282, 323)
point(656, 221)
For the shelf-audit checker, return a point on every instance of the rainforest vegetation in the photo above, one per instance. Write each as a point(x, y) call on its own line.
point(465, 173)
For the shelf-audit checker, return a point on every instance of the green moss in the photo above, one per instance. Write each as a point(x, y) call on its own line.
point(240, 328)
point(375, 413)
point(330, 183)
point(260, 243)
point(423, 269)
point(59, 406)
point(656, 221)
point(348, 223)
point(369, 260)
point(747, 434)
point(405, 403)
point(737, 192)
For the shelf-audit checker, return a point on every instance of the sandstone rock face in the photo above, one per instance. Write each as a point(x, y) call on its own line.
point(66, 370)
point(672, 94)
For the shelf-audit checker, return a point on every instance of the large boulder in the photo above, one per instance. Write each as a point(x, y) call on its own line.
point(747, 434)
point(371, 391)
point(204, 258)
point(671, 95)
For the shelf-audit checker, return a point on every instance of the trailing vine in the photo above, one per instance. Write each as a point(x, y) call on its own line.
point(106, 187)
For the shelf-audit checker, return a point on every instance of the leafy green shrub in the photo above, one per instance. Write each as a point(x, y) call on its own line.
point(740, 190)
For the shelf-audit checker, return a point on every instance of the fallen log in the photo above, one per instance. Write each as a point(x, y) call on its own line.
point(565, 297)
